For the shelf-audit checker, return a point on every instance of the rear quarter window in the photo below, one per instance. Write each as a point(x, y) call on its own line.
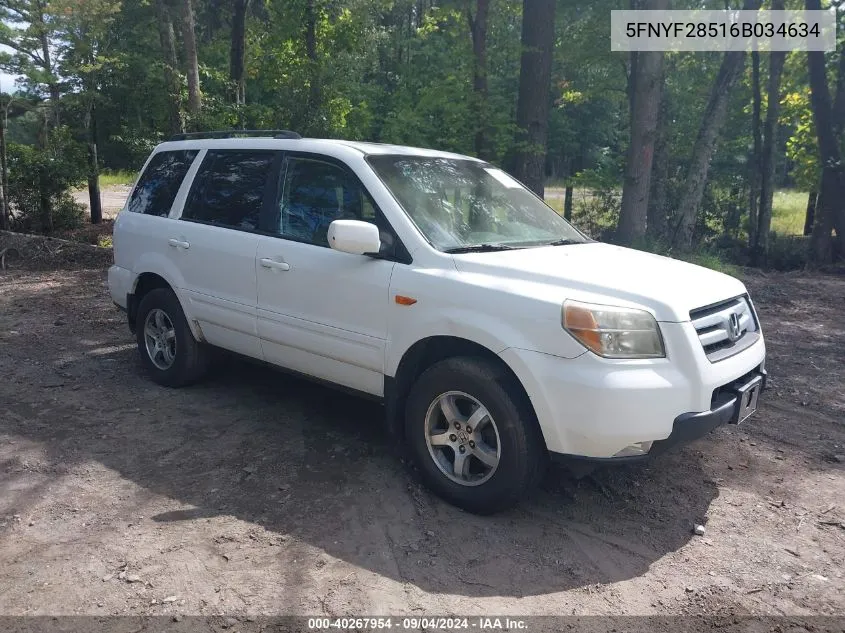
point(157, 187)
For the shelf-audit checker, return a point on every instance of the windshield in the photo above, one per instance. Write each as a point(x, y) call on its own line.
point(464, 205)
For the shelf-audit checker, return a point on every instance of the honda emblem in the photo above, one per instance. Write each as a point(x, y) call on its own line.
point(734, 328)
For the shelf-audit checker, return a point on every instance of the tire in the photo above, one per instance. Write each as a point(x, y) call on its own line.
point(183, 360)
point(459, 386)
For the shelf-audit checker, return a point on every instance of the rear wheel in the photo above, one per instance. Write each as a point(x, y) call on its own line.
point(169, 351)
point(473, 435)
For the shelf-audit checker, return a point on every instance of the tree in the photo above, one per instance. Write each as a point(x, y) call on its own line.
point(645, 95)
point(831, 203)
point(532, 110)
point(237, 54)
point(760, 253)
point(656, 220)
point(754, 164)
point(32, 45)
point(83, 30)
point(190, 45)
point(706, 141)
point(478, 32)
point(801, 144)
point(810, 213)
point(5, 216)
point(314, 89)
point(171, 66)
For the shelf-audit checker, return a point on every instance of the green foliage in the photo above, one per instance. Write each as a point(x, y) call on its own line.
point(40, 181)
point(788, 252)
point(801, 143)
point(722, 210)
point(588, 97)
point(24, 24)
point(401, 71)
point(712, 257)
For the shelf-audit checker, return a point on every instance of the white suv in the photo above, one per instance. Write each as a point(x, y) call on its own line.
point(496, 334)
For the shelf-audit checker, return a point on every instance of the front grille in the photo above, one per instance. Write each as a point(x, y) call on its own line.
point(726, 391)
point(725, 328)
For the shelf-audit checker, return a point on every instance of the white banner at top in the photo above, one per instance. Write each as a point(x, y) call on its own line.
point(726, 30)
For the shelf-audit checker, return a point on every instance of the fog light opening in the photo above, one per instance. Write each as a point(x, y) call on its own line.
point(633, 450)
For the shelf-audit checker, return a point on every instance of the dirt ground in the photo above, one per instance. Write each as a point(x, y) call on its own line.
point(112, 199)
point(258, 493)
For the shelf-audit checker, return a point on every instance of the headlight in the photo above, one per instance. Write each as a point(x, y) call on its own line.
point(613, 332)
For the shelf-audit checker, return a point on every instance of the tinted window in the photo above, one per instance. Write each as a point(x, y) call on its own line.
point(229, 189)
point(160, 182)
point(315, 194)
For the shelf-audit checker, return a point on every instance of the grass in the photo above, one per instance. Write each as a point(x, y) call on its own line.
point(789, 208)
point(710, 260)
point(787, 248)
point(119, 177)
point(788, 211)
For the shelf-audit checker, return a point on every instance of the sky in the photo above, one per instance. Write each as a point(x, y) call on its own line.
point(7, 81)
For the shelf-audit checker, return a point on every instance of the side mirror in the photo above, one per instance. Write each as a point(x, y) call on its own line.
point(354, 236)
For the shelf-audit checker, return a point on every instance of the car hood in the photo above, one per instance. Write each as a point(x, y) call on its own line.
point(609, 274)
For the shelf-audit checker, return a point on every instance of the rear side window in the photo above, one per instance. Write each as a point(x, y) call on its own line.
point(229, 189)
point(158, 185)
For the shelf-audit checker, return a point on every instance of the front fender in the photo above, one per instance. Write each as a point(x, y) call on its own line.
point(496, 318)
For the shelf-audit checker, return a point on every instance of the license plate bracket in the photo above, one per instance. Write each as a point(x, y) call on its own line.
point(746, 399)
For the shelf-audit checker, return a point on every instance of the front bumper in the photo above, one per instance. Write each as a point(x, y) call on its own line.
point(597, 408)
point(727, 409)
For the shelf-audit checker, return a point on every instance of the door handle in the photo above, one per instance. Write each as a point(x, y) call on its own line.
point(178, 243)
point(266, 262)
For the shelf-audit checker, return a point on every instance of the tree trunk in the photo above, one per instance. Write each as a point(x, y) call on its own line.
point(839, 131)
point(646, 91)
point(567, 203)
point(478, 31)
point(754, 165)
point(832, 192)
point(770, 130)
point(839, 99)
point(4, 205)
point(171, 65)
point(532, 110)
point(707, 139)
point(52, 84)
point(238, 50)
point(656, 222)
point(631, 83)
point(4, 170)
point(93, 167)
point(567, 192)
point(821, 240)
point(190, 44)
point(45, 205)
point(811, 212)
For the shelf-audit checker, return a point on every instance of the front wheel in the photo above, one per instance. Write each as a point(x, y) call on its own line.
point(473, 435)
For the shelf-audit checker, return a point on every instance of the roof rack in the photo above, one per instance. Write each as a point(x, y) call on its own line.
point(235, 134)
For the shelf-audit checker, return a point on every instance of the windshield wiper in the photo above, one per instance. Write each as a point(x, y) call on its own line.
point(480, 248)
point(564, 242)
